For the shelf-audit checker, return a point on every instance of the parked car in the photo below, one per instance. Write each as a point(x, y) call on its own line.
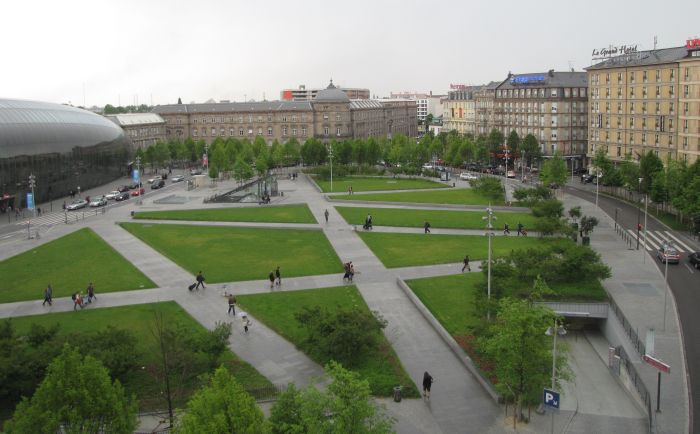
point(694, 259)
point(133, 185)
point(195, 172)
point(98, 201)
point(158, 183)
point(668, 253)
point(122, 196)
point(138, 191)
point(466, 176)
point(123, 188)
point(77, 204)
point(178, 178)
point(510, 174)
point(113, 194)
point(153, 179)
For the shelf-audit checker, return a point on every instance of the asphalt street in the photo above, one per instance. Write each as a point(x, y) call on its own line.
point(683, 280)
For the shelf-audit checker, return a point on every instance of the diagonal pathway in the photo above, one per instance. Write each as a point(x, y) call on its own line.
point(458, 400)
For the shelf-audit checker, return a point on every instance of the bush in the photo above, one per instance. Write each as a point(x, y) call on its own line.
point(550, 208)
point(530, 196)
point(548, 226)
point(489, 187)
point(344, 335)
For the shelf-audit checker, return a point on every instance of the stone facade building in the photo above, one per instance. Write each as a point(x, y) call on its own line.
point(460, 110)
point(330, 115)
point(647, 101)
point(141, 129)
point(304, 94)
point(552, 106)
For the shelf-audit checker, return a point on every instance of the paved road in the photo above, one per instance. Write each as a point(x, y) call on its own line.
point(683, 281)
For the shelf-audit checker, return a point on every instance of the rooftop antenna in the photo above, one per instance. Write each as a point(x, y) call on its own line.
point(655, 40)
point(571, 66)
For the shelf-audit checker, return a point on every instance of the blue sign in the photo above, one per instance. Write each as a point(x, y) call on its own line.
point(524, 79)
point(30, 201)
point(135, 175)
point(551, 398)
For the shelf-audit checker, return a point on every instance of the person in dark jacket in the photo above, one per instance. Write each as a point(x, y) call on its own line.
point(272, 279)
point(427, 382)
point(200, 280)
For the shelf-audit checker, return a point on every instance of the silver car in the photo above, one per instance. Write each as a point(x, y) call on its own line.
point(77, 204)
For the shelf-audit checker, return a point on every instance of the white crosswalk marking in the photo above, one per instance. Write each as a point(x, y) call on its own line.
point(656, 238)
point(679, 242)
point(54, 218)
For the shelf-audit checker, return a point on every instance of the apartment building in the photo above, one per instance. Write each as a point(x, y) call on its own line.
point(646, 101)
point(141, 129)
point(460, 110)
point(303, 94)
point(426, 103)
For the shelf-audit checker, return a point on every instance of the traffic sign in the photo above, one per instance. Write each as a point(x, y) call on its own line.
point(551, 398)
point(656, 363)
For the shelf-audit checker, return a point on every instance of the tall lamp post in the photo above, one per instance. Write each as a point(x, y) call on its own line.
point(489, 217)
point(558, 329)
point(639, 210)
point(330, 157)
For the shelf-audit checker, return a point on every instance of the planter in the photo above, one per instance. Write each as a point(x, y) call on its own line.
point(586, 241)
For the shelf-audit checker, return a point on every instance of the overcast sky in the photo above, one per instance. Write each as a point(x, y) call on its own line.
point(114, 52)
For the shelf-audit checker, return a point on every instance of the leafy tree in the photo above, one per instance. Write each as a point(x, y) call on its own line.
point(554, 171)
point(343, 334)
point(650, 166)
point(513, 143)
point(531, 148)
point(76, 396)
point(520, 350)
point(575, 213)
point(629, 172)
point(531, 196)
point(242, 171)
point(261, 164)
point(179, 100)
point(495, 140)
point(221, 407)
point(346, 406)
point(491, 188)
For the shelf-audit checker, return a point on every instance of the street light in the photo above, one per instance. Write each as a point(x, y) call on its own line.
point(330, 157)
point(558, 329)
point(639, 209)
point(489, 217)
point(32, 184)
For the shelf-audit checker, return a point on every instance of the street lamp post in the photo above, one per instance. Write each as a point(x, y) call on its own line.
point(330, 157)
point(489, 217)
point(639, 209)
point(32, 184)
point(665, 291)
point(558, 329)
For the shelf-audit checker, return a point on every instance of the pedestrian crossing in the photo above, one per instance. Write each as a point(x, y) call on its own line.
point(654, 240)
point(55, 218)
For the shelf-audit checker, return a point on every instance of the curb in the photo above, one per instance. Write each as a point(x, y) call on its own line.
point(456, 349)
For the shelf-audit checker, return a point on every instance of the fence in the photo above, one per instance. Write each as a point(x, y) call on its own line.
point(636, 379)
point(631, 332)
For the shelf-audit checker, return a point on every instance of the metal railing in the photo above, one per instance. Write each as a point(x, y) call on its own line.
point(638, 383)
point(631, 331)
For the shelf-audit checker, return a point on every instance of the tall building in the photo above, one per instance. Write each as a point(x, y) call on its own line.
point(142, 129)
point(460, 109)
point(553, 106)
point(330, 115)
point(427, 103)
point(484, 102)
point(647, 101)
point(304, 94)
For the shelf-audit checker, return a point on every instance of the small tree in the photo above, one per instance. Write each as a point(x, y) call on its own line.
point(554, 171)
point(587, 224)
point(575, 213)
point(76, 396)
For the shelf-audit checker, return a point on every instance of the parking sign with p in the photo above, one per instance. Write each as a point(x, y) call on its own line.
point(551, 398)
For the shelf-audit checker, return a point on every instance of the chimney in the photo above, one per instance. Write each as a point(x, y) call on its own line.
point(551, 73)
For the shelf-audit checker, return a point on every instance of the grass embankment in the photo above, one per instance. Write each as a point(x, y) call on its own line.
point(228, 254)
point(438, 219)
point(261, 214)
point(342, 184)
point(382, 369)
point(459, 196)
point(139, 319)
point(69, 264)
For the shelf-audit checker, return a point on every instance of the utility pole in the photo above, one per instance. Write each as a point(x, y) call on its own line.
point(489, 217)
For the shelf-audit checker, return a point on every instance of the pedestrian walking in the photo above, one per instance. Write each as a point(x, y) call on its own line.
point(325, 214)
point(77, 301)
point(506, 229)
point(48, 295)
point(232, 304)
point(426, 227)
point(349, 271)
point(427, 383)
point(351, 191)
point(466, 264)
point(520, 228)
point(200, 280)
point(278, 276)
point(272, 279)
point(64, 205)
point(91, 292)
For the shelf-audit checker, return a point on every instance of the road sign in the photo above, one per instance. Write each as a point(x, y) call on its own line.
point(30, 201)
point(656, 363)
point(551, 398)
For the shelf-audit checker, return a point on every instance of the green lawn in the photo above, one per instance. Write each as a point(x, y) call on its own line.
point(437, 219)
point(451, 300)
point(138, 319)
point(403, 250)
point(459, 196)
point(341, 184)
point(383, 370)
point(228, 254)
point(68, 263)
point(267, 214)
